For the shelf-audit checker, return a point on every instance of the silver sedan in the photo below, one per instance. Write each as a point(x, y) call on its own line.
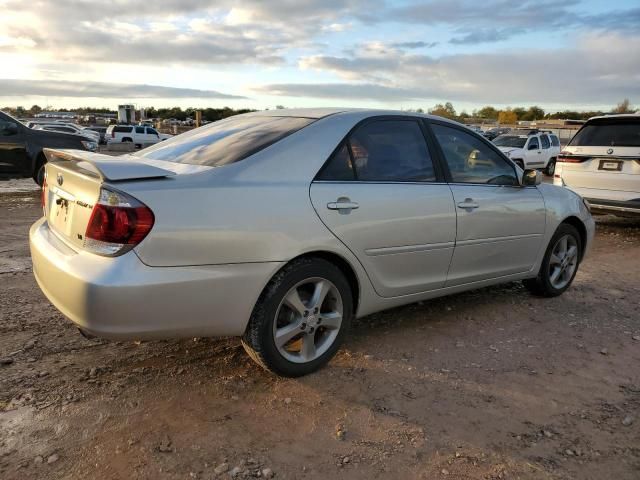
point(282, 226)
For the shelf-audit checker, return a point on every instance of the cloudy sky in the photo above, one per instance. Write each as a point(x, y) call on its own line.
point(578, 54)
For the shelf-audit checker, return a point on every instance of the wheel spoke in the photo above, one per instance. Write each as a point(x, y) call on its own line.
point(572, 252)
point(294, 302)
point(555, 259)
point(285, 334)
point(308, 351)
point(563, 246)
point(332, 320)
point(556, 273)
point(319, 294)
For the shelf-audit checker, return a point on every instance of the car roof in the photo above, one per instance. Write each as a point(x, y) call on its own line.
point(615, 116)
point(356, 113)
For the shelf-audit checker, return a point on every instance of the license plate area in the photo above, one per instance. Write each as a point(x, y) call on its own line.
point(610, 165)
point(61, 211)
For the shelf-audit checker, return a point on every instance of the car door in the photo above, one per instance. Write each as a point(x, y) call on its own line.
point(533, 153)
point(140, 137)
point(14, 158)
point(545, 145)
point(383, 195)
point(152, 135)
point(500, 224)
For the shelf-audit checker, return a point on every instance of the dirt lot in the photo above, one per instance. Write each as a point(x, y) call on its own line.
point(491, 384)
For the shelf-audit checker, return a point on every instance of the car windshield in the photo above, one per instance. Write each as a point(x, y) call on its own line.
point(225, 141)
point(618, 132)
point(510, 141)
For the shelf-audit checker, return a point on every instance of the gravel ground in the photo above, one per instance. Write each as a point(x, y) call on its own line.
point(490, 384)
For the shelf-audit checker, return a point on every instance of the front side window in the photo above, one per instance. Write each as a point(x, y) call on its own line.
point(382, 151)
point(152, 131)
point(225, 141)
point(545, 141)
point(470, 160)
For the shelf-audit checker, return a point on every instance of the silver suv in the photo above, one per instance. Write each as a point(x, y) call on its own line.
point(602, 163)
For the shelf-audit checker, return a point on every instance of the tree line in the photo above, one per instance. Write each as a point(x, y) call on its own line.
point(505, 116)
point(513, 115)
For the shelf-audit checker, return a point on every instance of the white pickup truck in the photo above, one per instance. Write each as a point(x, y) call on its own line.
point(531, 149)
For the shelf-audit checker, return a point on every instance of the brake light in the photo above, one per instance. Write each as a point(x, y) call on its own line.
point(118, 223)
point(566, 157)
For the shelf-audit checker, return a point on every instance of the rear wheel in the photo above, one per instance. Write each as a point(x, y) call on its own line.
point(559, 265)
point(519, 162)
point(551, 168)
point(127, 140)
point(300, 319)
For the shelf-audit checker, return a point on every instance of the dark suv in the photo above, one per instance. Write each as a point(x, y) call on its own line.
point(21, 148)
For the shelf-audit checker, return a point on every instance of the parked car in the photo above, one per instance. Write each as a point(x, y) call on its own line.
point(282, 226)
point(21, 148)
point(475, 128)
point(102, 131)
point(532, 149)
point(492, 133)
point(602, 163)
point(138, 134)
point(68, 128)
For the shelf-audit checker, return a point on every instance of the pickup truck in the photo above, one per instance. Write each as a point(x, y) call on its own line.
point(21, 147)
point(531, 150)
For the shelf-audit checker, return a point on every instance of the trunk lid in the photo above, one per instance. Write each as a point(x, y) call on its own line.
point(608, 168)
point(74, 180)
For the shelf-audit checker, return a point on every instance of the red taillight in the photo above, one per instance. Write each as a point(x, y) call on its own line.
point(566, 157)
point(118, 223)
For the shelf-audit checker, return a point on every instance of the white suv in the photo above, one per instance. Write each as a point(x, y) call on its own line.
point(602, 163)
point(530, 149)
point(140, 135)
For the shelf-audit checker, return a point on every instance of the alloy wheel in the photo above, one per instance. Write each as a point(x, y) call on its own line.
point(563, 261)
point(308, 320)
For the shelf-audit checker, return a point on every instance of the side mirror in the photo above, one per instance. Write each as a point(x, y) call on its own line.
point(533, 147)
point(531, 178)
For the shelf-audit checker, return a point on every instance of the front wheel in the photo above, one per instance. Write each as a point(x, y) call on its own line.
point(559, 265)
point(300, 319)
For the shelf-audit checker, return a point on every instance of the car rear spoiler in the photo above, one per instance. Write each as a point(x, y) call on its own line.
point(106, 167)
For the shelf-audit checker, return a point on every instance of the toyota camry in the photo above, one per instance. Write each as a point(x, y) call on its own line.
point(281, 227)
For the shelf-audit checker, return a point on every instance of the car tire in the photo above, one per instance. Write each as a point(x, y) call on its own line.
point(519, 162)
point(38, 173)
point(289, 333)
point(551, 168)
point(557, 270)
point(127, 140)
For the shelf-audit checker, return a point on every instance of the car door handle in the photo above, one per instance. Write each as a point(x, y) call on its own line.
point(343, 204)
point(468, 203)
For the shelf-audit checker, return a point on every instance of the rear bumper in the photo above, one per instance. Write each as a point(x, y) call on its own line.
point(123, 298)
point(630, 207)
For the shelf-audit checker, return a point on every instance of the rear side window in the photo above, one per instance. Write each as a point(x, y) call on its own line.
point(545, 141)
point(122, 129)
point(225, 141)
point(382, 150)
point(609, 132)
point(555, 141)
point(534, 144)
point(139, 129)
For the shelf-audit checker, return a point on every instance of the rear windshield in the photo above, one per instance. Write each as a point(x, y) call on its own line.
point(225, 141)
point(609, 132)
point(510, 141)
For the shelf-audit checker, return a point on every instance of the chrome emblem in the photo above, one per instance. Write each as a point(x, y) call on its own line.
point(610, 151)
point(60, 179)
